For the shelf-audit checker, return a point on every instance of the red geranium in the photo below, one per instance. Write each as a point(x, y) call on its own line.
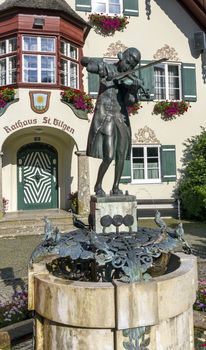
point(79, 99)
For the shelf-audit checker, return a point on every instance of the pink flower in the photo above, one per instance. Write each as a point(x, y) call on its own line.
point(2, 103)
point(107, 25)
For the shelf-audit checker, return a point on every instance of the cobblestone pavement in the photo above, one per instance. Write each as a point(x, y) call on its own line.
point(14, 255)
point(25, 345)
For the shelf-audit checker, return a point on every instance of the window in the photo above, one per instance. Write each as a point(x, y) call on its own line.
point(8, 61)
point(38, 67)
point(69, 74)
point(107, 6)
point(150, 164)
point(40, 44)
point(146, 164)
point(167, 82)
point(112, 7)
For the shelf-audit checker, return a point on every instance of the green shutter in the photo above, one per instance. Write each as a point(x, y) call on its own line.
point(126, 174)
point(131, 7)
point(189, 82)
point(83, 5)
point(168, 163)
point(94, 81)
point(147, 76)
point(93, 84)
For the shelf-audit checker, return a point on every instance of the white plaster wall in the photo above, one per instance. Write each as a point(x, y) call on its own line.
point(19, 126)
point(57, 113)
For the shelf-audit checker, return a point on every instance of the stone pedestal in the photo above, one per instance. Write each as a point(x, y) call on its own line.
point(72, 315)
point(83, 183)
point(1, 197)
point(112, 206)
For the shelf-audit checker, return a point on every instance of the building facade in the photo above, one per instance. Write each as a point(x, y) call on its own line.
point(43, 139)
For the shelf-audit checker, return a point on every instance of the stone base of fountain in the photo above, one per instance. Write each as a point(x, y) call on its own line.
point(154, 315)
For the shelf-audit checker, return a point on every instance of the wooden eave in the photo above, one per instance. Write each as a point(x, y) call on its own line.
point(197, 10)
point(7, 14)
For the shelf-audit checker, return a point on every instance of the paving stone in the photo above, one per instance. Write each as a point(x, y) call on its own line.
point(24, 345)
point(199, 319)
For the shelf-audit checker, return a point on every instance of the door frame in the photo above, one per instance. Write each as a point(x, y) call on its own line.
point(52, 153)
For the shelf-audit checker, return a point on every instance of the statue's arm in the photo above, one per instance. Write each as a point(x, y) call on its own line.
point(93, 65)
point(134, 84)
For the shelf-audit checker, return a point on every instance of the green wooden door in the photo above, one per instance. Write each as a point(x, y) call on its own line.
point(37, 165)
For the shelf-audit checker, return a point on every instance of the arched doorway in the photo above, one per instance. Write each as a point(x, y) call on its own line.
point(37, 177)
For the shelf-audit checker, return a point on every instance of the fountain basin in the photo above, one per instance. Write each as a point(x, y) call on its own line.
point(74, 315)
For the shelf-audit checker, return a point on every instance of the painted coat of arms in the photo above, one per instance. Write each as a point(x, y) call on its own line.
point(39, 101)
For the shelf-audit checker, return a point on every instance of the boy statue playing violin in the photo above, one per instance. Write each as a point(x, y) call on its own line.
point(110, 133)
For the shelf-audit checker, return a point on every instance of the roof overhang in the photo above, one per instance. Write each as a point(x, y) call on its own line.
point(197, 10)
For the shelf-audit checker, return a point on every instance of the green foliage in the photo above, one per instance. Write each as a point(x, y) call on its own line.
point(73, 198)
point(200, 338)
point(7, 94)
point(192, 184)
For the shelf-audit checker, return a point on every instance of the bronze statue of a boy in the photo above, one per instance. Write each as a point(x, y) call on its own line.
point(110, 133)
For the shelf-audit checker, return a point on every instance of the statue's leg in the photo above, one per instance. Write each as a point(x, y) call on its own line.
point(102, 170)
point(121, 151)
point(108, 151)
point(119, 164)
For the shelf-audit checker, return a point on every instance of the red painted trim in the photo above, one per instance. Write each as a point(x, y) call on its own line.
point(38, 86)
point(19, 22)
point(19, 58)
point(81, 84)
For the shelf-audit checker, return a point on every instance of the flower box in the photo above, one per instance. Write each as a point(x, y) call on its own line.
point(171, 109)
point(7, 97)
point(78, 101)
point(107, 25)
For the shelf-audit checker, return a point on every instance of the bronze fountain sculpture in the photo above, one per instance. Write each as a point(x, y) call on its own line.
point(117, 254)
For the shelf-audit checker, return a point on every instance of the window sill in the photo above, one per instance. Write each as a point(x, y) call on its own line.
point(38, 85)
point(141, 182)
point(166, 99)
point(107, 13)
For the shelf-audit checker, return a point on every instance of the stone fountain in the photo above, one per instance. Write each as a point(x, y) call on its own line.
point(118, 290)
point(108, 284)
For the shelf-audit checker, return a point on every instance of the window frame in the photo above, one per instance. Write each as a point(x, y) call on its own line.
point(38, 69)
point(38, 53)
point(7, 56)
point(166, 64)
point(39, 40)
point(107, 4)
point(146, 179)
point(69, 60)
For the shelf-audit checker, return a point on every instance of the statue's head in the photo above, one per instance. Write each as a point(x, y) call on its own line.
point(128, 59)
